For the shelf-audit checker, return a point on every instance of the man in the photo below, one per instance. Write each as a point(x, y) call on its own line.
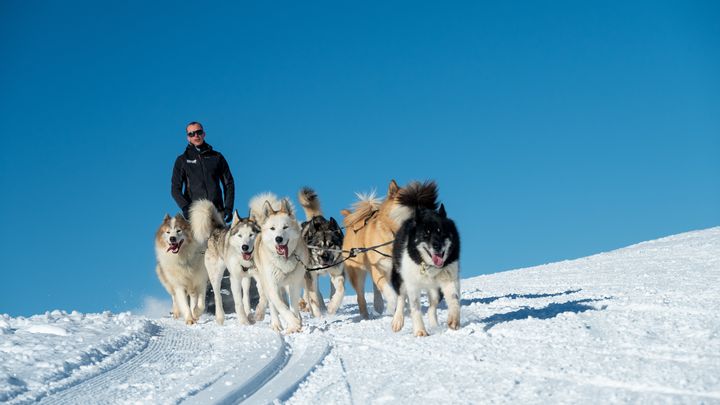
point(198, 173)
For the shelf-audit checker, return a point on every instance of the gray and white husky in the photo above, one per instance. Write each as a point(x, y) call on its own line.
point(180, 267)
point(324, 239)
point(426, 255)
point(232, 248)
point(281, 257)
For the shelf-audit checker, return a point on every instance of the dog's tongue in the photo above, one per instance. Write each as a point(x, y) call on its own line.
point(174, 247)
point(282, 250)
point(247, 256)
point(438, 260)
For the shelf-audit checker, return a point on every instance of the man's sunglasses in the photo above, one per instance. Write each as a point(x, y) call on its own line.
point(195, 133)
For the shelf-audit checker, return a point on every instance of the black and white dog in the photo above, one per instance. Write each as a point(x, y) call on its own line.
point(324, 239)
point(426, 256)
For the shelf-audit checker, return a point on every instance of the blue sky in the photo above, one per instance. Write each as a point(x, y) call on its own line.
point(554, 129)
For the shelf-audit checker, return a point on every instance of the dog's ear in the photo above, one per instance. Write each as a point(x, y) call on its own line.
point(167, 218)
point(344, 212)
point(255, 227)
point(286, 207)
point(236, 218)
point(179, 217)
point(392, 188)
point(268, 209)
point(333, 223)
point(442, 212)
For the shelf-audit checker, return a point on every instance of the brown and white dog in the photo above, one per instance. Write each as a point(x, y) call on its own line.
point(371, 223)
point(180, 267)
point(281, 257)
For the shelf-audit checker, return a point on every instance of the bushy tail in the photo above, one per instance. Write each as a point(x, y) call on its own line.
point(204, 218)
point(363, 208)
point(310, 202)
point(257, 203)
point(419, 195)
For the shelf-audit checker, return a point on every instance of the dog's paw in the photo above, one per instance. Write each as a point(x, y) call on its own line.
point(220, 320)
point(259, 316)
point(398, 323)
point(176, 314)
point(189, 321)
point(421, 333)
point(304, 307)
point(292, 329)
point(332, 309)
point(454, 322)
point(276, 327)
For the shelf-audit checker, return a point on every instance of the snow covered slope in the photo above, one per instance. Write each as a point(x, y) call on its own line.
point(639, 324)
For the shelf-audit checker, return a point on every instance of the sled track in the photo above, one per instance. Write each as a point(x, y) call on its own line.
point(302, 362)
point(170, 370)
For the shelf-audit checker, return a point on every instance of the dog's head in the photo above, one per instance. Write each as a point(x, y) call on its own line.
point(280, 229)
point(243, 232)
point(322, 234)
point(173, 233)
point(436, 237)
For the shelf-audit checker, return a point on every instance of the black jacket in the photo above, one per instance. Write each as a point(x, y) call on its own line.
point(198, 174)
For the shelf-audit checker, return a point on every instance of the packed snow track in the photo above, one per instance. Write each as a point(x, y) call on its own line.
point(635, 325)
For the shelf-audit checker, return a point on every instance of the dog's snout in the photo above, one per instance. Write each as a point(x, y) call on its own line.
point(173, 239)
point(278, 239)
point(245, 248)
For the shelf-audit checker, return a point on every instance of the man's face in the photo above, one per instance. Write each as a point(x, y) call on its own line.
point(195, 134)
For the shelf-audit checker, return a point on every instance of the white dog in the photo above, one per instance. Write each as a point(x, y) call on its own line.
point(281, 257)
point(180, 267)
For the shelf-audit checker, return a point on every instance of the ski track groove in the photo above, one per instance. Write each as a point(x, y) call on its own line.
point(302, 361)
point(161, 347)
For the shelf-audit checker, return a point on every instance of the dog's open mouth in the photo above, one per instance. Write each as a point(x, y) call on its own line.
point(282, 250)
point(437, 258)
point(175, 247)
point(247, 255)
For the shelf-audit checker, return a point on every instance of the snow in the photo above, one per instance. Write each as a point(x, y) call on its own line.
point(639, 324)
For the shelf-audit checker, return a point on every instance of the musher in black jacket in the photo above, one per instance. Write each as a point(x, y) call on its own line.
point(198, 173)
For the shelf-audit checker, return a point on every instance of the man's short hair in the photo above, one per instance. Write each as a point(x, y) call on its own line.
point(194, 123)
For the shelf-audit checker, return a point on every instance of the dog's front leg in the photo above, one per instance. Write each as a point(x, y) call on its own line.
point(399, 318)
point(415, 312)
point(182, 301)
point(451, 290)
point(433, 299)
point(236, 288)
point(338, 282)
point(311, 289)
point(262, 302)
point(274, 319)
point(215, 274)
point(293, 319)
point(278, 307)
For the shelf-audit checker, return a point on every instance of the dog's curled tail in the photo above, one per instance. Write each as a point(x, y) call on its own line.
point(204, 218)
point(414, 196)
point(257, 206)
point(310, 202)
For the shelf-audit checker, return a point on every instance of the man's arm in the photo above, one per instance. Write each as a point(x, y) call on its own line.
point(228, 188)
point(176, 187)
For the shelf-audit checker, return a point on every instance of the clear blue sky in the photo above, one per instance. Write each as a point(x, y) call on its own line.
point(555, 129)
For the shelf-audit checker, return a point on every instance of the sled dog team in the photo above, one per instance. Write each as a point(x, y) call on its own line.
point(406, 242)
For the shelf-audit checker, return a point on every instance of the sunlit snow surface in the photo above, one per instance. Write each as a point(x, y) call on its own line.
point(640, 324)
